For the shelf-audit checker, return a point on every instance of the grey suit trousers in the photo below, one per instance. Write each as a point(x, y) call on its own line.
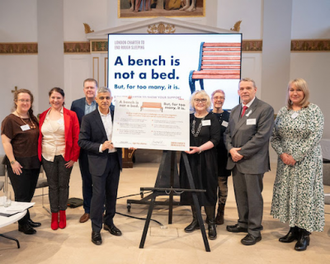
point(248, 189)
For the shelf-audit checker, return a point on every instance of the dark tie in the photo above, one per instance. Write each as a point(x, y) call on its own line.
point(244, 109)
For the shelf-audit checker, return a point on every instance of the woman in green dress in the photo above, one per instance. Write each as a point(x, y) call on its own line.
point(298, 196)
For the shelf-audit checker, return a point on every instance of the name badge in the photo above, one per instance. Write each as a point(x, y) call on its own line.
point(251, 121)
point(25, 127)
point(294, 115)
point(224, 123)
point(206, 122)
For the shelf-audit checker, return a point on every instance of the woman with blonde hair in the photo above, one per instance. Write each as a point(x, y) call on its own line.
point(298, 196)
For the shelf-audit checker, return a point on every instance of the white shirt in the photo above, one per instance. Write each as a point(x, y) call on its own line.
point(249, 103)
point(107, 123)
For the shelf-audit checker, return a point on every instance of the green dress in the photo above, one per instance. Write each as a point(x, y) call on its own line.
point(298, 196)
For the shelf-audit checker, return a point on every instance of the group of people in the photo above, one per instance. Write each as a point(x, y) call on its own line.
point(57, 140)
point(238, 143)
point(221, 144)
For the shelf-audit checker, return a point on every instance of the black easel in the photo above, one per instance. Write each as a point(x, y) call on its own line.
point(168, 184)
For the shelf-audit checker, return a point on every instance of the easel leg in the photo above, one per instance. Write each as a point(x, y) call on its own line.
point(146, 225)
point(196, 203)
point(201, 223)
point(170, 209)
point(18, 246)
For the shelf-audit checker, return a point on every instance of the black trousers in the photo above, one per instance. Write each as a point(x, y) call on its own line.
point(87, 184)
point(58, 177)
point(105, 189)
point(24, 186)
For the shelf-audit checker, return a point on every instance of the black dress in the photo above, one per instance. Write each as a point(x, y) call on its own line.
point(203, 166)
point(221, 148)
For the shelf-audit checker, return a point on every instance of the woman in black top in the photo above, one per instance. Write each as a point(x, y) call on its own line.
point(218, 99)
point(19, 134)
point(204, 136)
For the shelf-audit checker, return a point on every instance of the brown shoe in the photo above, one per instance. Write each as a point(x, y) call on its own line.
point(84, 218)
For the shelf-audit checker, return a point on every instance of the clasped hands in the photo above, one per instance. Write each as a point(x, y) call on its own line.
point(235, 156)
point(287, 159)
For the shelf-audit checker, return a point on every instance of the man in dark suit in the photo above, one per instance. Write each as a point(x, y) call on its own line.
point(105, 164)
point(247, 141)
point(81, 107)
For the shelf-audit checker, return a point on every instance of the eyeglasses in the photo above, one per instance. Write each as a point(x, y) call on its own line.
point(104, 97)
point(203, 100)
point(219, 98)
point(24, 100)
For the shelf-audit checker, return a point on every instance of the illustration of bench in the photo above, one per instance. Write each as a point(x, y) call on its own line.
point(217, 61)
point(151, 105)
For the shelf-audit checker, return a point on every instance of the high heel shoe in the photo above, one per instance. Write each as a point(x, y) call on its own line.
point(54, 224)
point(62, 223)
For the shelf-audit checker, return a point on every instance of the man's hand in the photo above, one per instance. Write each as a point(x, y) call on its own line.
point(107, 145)
point(235, 155)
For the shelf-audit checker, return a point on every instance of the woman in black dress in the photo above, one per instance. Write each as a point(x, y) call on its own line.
point(218, 99)
point(204, 136)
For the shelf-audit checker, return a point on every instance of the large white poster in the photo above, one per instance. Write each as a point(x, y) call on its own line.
point(151, 124)
point(164, 65)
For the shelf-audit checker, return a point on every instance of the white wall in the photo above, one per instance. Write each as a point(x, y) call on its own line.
point(249, 11)
point(310, 19)
point(18, 21)
point(20, 71)
point(77, 12)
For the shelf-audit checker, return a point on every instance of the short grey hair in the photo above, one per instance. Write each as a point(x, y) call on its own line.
point(247, 80)
point(103, 90)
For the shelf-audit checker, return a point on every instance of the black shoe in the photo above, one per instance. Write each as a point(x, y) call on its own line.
point(192, 226)
point(212, 230)
point(291, 236)
point(236, 229)
point(303, 240)
point(34, 224)
point(249, 240)
point(96, 238)
point(112, 229)
point(26, 229)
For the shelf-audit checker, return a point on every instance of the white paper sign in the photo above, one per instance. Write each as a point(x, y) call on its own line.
point(151, 124)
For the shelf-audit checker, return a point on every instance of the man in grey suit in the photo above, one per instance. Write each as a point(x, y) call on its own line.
point(81, 107)
point(105, 164)
point(247, 141)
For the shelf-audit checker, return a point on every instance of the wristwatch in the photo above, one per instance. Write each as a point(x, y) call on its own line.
point(12, 162)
